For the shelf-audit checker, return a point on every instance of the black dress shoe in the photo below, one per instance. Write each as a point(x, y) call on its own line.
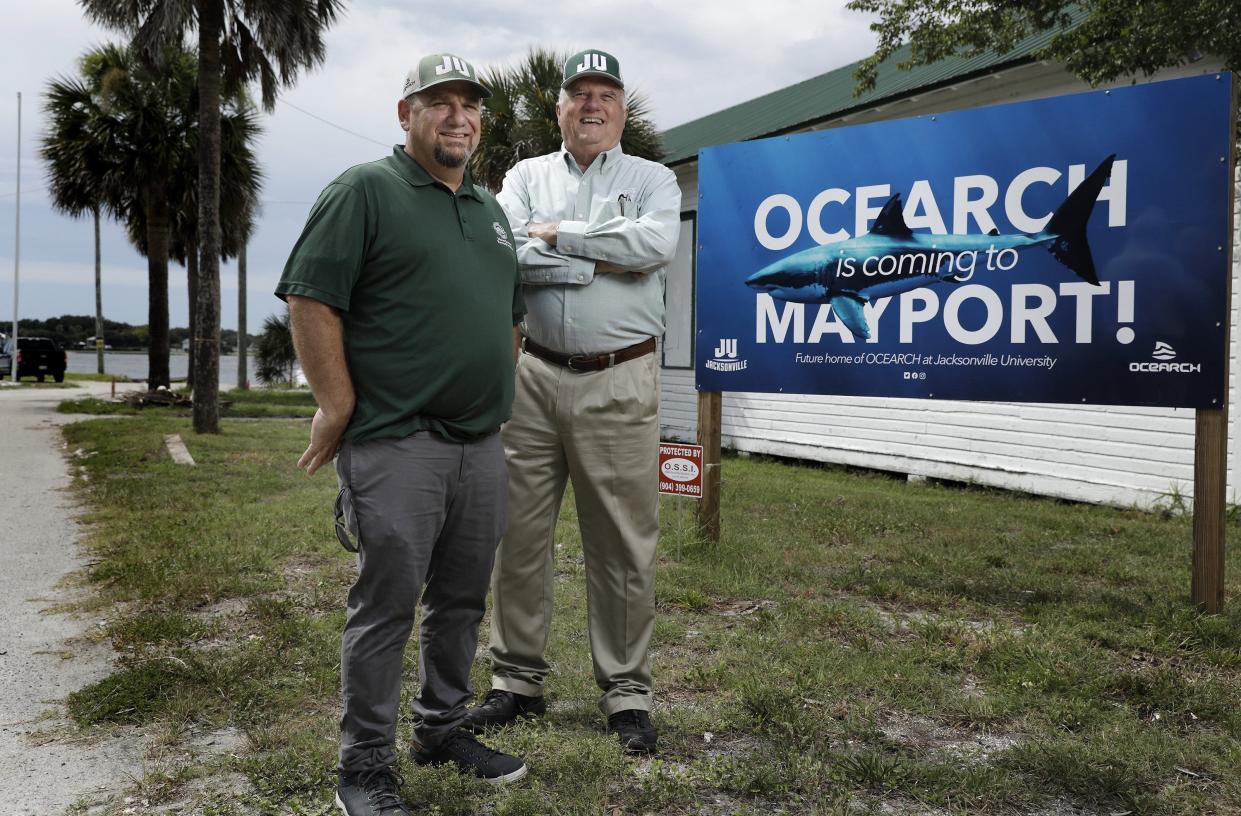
point(501, 707)
point(634, 730)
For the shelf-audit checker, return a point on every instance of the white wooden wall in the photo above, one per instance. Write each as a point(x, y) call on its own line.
point(1115, 455)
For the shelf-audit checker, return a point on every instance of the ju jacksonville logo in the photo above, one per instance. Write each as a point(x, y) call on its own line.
point(501, 235)
point(724, 358)
point(1164, 355)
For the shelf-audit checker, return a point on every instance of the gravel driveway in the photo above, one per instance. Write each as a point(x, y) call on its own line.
point(43, 657)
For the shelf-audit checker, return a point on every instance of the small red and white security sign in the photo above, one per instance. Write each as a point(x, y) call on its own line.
point(680, 470)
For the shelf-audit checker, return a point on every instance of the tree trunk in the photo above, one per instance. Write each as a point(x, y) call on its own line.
point(243, 378)
point(157, 284)
point(207, 339)
point(191, 285)
point(98, 296)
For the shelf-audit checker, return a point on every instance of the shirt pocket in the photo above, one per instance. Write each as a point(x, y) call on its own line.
point(621, 202)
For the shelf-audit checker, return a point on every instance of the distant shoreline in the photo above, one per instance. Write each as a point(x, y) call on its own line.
point(177, 353)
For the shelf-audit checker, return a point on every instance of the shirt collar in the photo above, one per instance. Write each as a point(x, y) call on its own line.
point(605, 160)
point(413, 172)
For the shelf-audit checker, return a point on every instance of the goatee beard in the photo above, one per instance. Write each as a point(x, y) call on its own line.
point(450, 159)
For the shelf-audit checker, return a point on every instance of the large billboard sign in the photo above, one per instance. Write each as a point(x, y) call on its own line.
point(1069, 250)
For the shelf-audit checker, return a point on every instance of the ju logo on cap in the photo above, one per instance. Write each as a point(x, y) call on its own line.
point(592, 63)
point(438, 69)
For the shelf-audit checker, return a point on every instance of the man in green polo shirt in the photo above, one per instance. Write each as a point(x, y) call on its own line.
point(403, 291)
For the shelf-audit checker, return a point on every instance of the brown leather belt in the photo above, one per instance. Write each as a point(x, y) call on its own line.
point(582, 363)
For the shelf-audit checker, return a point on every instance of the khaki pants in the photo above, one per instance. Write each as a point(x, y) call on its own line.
point(601, 430)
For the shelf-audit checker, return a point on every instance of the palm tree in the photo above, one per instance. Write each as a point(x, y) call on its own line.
point(141, 123)
point(519, 119)
point(243, 375)
point(275, 359)
point(77, 170)
point(239, 41)
point(241, 182)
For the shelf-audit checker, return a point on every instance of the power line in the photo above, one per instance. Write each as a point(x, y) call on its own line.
point(314, 116)
point(35, 190)
point(333, 124)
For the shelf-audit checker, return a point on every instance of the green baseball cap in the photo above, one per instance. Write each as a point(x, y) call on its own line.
point(592, 62)
point(438, 69)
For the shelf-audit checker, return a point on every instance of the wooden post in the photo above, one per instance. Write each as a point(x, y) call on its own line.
point(1210, 478)
point(709, 405)
point(1211, 451)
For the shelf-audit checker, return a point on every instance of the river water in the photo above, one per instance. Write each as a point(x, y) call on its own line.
point(133, 364)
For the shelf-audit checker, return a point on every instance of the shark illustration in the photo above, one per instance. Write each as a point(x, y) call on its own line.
point(891, 259)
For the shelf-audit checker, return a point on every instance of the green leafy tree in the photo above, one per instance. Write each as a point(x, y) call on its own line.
point(519, 118)
point(239, 41)
point(1098, 40)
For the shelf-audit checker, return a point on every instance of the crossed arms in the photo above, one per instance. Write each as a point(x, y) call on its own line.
point(573, 252)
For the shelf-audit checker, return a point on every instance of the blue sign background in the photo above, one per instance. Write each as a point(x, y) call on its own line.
point(1175, 137)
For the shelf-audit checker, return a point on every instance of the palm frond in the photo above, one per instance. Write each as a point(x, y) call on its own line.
point(519, 120)
point(274, 355)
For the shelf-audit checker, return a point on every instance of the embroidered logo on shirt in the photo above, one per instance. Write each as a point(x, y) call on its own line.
point(501, 235)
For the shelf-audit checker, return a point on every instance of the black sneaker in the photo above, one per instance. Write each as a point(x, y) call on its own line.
point(376, 792)
point(471, 756)
point(634, 730)
point(501, 707)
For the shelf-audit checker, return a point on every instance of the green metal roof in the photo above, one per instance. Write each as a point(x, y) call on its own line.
point(830, 95)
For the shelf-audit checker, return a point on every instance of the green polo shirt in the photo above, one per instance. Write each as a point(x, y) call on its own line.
point(427, 285)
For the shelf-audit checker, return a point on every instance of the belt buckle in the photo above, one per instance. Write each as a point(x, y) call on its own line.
point(601, 360)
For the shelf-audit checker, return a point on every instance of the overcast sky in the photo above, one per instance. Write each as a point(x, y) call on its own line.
point(691, 59)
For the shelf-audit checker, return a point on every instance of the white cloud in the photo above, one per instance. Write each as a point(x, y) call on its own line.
point(79, 274)
point(691, 59)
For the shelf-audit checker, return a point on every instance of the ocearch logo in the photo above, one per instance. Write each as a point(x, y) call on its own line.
point(1165, 354)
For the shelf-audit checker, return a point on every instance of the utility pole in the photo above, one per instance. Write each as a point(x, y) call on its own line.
point(243, 379)
point(17, 243)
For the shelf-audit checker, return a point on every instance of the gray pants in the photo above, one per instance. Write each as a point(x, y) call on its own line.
point(427, 514)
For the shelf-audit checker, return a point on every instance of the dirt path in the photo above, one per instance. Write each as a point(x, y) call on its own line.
point(43, 657)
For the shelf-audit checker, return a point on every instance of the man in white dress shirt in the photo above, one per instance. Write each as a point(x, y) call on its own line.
point(595, 229)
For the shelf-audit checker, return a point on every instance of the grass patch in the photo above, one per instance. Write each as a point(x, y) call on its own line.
point(853, 643)
point(253, 403)
point(96, 377)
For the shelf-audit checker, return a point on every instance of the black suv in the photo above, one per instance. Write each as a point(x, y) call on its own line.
point(36, 357)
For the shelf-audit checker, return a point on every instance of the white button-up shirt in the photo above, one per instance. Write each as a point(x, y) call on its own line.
point(623, 210)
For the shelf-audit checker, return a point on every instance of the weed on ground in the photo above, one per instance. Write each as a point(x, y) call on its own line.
point(855, 644)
